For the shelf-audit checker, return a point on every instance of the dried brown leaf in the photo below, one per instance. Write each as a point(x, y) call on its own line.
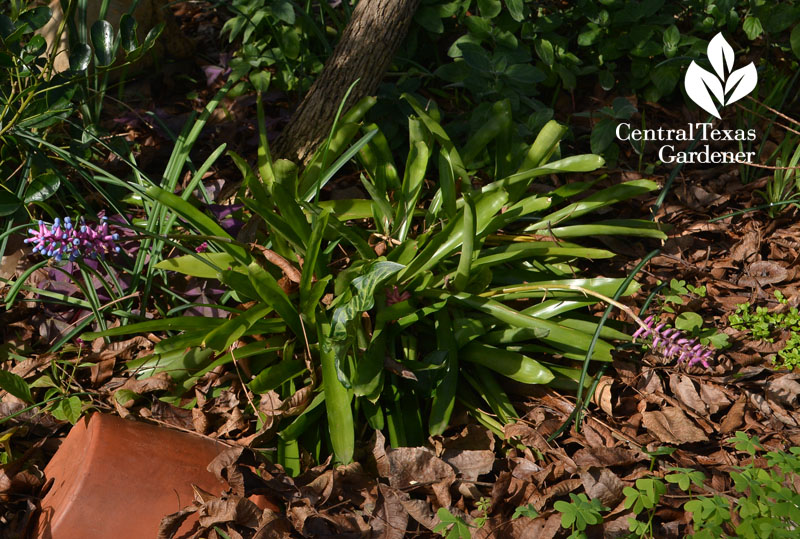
point(523, 468)
point(735, 416)
point(527, 435)
point(604, 457)
point(602, 395)
point(763, 273)
point(783, 390)
point(102, 371)
point(274, 528)
point(379, 454)
point(672, 426)
point(200, 421)
point(397, 368)
point(470, 464)
point(170, 524)
point(684, 389)
point(714, 397)
point(392, 518)
point(411, 467)
point(602, 484)
point(319, 489)
point(747, 246)
point(419, 510)
point(472, 437)
point(169, 415)
point(298, 402)
point(270, 404)
point(234, 509)
point(235, 423)
point(158, 382)
point(224, 467)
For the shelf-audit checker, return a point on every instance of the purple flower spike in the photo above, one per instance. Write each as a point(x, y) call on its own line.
point(645, 330)
point(671, 342)
point(66, 239)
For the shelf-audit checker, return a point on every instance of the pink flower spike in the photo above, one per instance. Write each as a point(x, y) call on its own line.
point(670, 342)
point(66, 239)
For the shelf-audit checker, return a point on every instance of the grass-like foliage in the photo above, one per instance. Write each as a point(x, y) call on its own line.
point(391, 309)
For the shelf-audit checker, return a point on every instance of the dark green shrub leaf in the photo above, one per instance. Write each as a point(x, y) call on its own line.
point(68, 410)
point(752, 27)
point(290, 43)
point(193, 264)
point(7, 27)
point(152, 35)
point(524, 74)
point(623, 109)
point(275, 375)
point(283, 10)
point(36, 18)
point(515, 9)
point(453, 72)
point(544, 49)
point(602, 135)
point(588, 37)
point(429, 19)
point(479, 27)
point(8, 203)
point(477, 58)
point(127, 30)
point(80, 57)
point(103, 41)
point(36, 45)
point(16, 386)
point(672, 36)
point(260, 80)
point(42, 188)
point(794, 40)
point(363, 300)
point(490, 8)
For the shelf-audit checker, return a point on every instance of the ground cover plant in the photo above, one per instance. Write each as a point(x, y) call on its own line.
point(472, 311)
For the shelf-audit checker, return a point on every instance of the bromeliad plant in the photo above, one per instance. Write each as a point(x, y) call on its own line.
point(394, 308)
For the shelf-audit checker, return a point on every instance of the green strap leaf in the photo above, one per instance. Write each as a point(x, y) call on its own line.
point(273, 295)
point(337, 399)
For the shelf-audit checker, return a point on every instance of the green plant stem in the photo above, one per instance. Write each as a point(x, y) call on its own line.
point(576, 415)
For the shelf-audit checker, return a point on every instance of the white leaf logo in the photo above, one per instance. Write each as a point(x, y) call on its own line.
point(701, 85)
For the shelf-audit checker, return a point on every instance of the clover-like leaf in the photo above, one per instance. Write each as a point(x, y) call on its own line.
point(698, 82)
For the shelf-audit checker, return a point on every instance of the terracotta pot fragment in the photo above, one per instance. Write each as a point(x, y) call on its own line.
point(114, 478)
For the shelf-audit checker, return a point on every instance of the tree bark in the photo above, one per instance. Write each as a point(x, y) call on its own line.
point(364, 52)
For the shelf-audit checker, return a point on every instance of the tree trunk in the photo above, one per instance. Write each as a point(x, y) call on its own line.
point(364, 52)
